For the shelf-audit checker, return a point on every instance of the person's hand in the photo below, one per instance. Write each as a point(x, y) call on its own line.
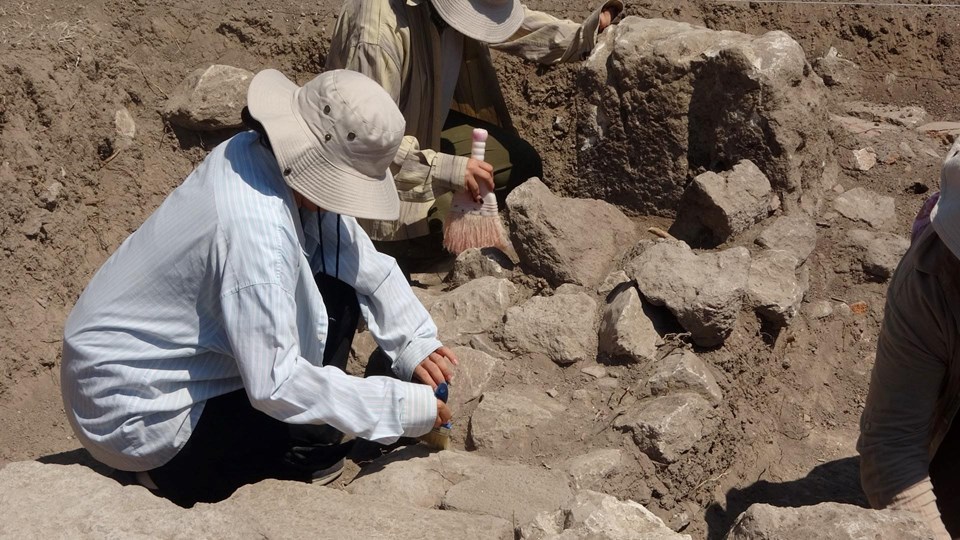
point(606, 18)
point(437, 368)
point(443, 414)
point(478, 172)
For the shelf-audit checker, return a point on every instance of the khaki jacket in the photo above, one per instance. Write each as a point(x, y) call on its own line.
point(396, 43)
point(915, 385)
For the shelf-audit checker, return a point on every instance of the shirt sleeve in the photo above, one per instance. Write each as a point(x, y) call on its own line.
point(398, 321)
point(420, 174)
point(260, 323)
point(549, 40)
point(899, 415)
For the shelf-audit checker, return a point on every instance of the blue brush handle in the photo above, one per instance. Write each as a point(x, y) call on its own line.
point(443, 392)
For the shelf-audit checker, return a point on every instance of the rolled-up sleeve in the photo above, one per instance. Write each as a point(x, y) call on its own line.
point(260, 322)
point(549, 40)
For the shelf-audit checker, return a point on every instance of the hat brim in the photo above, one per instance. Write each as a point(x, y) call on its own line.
point(271, 99)
point(493, 25)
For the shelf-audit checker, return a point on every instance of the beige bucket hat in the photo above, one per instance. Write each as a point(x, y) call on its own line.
point(334, 139)
point(945, 216)
point(487, 21)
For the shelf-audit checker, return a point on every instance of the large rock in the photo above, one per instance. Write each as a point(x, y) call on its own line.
point(795, 233)
point(839, 73)
point(717, 207)
point(860, 204)
point(683, 371)
point(666, 427)
point(209, 99)
point(626, 332)
point(463, 481)
point(590, 470)
point(477, 263)
point(562, 327)
point(503, 420)
point(705, 291)
point(664, 101)
point(566, 240)
point(774, 290)
point(473, 308)
point(827, 521)
point(878, 253)
point(596, 515)
point(471, 376)
point(55, 501)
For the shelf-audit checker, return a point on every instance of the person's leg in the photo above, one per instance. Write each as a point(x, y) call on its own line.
point(945, 476)
point(513, 159)
point(233, 444)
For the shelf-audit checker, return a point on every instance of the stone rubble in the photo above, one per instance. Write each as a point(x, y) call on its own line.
point(209, 99)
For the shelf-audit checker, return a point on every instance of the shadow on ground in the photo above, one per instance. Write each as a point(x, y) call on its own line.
point(81, 457)
point(835, 481)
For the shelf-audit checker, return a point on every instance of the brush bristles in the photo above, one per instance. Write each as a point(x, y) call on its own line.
point(465, 231)
point(438, 438)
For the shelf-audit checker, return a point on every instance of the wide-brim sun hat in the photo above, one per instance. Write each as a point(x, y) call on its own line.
point(487, 21)
point(945, 217)
point(334, 139)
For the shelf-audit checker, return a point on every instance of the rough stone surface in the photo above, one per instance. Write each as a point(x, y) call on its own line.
point(471, 376)
point(596, 515)
point(794, 233)
point(666, 427)
point(209, 99)
point(839, 73)
point(717, 207)
point(562, 327)
point(124, 124)
point(683, 371)
point(462, 480)
point(704, 292)
point(864, 159)
point(566, 240)
point(860, 204)
point(626, 332)
point(503, 419)
point(477, 263)
point(773, 289)
point(820, 309)
point(879, 253)
point(827, 521)
point(56, 501)
point(473, 308)
point(612, 282)
point(663, 99)
point(589, 470)
point(909, 116)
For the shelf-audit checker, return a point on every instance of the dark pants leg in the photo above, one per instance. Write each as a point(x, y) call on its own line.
point(234, 444)
point(514, 161)
point(945, 475)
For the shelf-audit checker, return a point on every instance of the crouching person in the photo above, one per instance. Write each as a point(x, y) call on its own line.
point(207, 352)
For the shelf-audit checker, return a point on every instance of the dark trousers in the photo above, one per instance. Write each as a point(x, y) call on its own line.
point(945, 476)
point(234, 444)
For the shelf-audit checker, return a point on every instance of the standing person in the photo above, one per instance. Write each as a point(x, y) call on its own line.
point(207, 352)
point(433, 57)
point(909, 434)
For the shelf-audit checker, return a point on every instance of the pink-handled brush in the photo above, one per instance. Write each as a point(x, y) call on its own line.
point(470, 224)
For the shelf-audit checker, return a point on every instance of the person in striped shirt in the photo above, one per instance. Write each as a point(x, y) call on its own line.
point(207, 352)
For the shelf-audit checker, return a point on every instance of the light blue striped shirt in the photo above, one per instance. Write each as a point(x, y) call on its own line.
point(216, 292)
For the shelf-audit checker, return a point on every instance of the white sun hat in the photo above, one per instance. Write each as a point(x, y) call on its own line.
point(487, 21)
point(334, 139)
point(945, 216)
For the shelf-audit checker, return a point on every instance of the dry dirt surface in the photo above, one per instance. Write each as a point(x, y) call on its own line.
point(72, 191)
